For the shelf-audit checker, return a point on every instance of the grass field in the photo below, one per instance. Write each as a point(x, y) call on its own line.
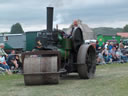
point(110, 80)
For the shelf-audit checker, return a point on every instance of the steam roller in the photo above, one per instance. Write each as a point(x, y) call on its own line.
point(56, 54)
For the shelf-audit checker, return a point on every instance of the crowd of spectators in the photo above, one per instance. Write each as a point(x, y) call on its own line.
point(110, 52)
point(9, 63)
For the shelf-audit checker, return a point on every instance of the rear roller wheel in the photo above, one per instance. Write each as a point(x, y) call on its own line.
point(86, 61)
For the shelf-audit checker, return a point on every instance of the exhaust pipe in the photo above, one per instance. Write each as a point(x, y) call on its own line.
point(49, 19)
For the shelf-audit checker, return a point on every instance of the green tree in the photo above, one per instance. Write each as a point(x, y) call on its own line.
point(16, 29)
point(125, 29)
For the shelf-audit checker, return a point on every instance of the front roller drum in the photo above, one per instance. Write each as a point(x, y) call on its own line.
point(86, 61)
point(41, 78)
point(41, 68)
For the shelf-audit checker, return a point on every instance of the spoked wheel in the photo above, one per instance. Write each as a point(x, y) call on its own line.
point(86, 61)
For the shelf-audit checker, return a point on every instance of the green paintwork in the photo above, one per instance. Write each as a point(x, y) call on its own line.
point(64, 53)
point(60, 37)
point(66, 46)
point(30, 40)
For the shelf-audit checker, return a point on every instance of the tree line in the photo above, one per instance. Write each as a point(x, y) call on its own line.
point(17, 29)
point(109, 30)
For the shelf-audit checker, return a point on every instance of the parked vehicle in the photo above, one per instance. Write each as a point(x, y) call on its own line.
point(104, 38)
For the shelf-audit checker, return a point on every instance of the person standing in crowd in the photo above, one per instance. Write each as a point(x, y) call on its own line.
point(110, 46)
point(98, 48)
point(106, 45)
point(100, 58)
point(121, 56)
point(4, 65)
point(19, 62)
point(3, 56)
point(2, 52)
point(105, 54)
point(113, 53)
point(12, 61)
point(121, 46)
point(103, 45)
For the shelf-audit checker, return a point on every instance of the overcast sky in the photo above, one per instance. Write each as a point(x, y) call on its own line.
point(32, 13)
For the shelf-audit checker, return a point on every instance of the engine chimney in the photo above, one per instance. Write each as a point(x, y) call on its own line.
point(49, 19)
